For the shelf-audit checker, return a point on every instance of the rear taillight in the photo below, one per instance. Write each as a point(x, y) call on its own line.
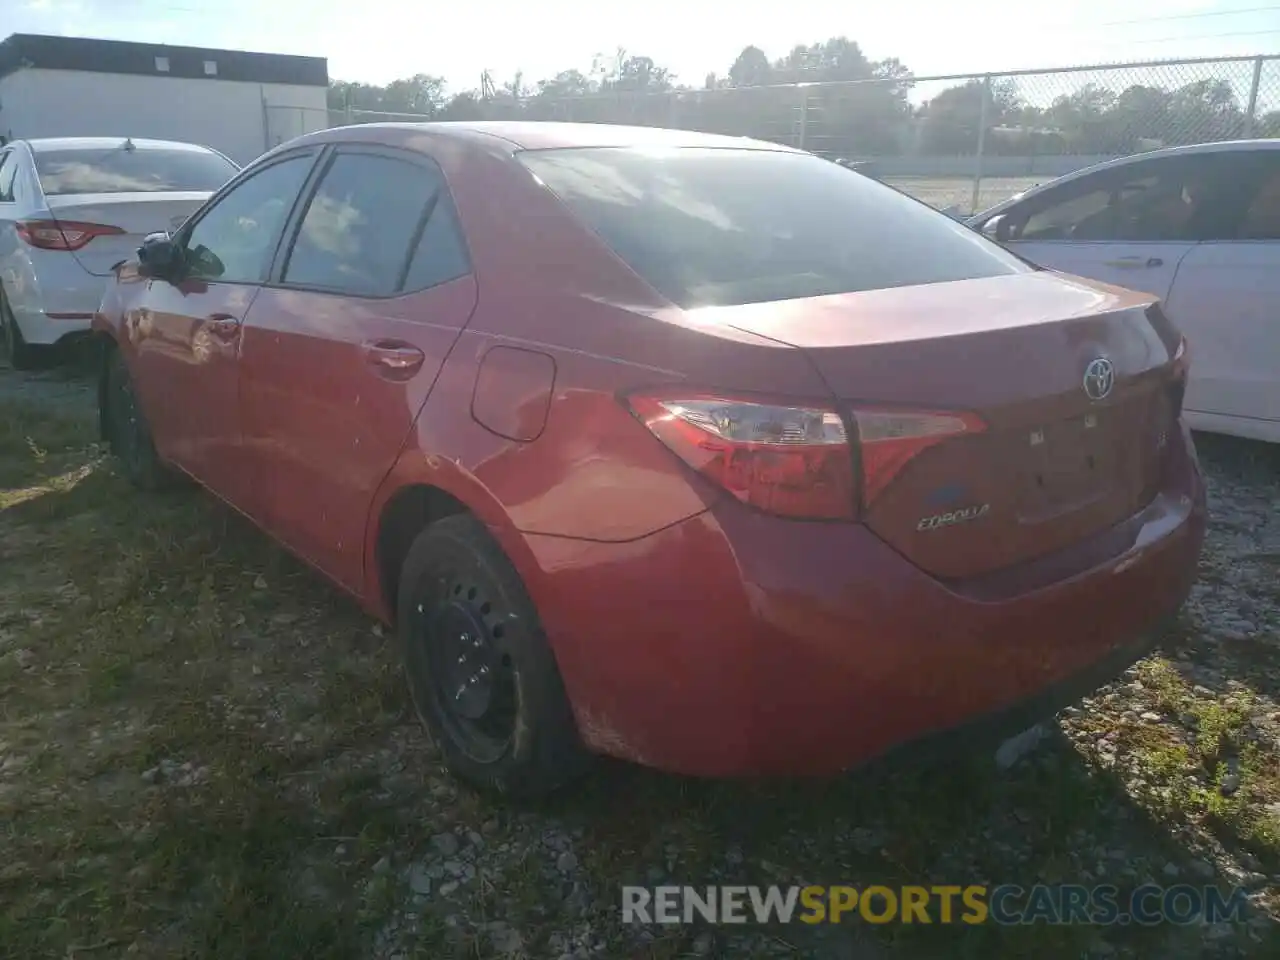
point(890, 439)
point(786, 460)
point(794, 461)
point(63, 234)
point(1180, 368)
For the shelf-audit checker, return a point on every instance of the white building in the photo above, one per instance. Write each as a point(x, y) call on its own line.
point(236, 102)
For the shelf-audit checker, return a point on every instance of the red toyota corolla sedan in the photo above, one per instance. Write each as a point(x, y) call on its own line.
point(698, 451)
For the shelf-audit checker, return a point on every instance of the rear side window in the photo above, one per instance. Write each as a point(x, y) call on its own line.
point(8, 174)
point(137, 170)
point(440, 254)
point(1258, 215)
point(720, 227)
point(375, 226)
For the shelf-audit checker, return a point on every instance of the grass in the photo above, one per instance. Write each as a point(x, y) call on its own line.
point(207, 752)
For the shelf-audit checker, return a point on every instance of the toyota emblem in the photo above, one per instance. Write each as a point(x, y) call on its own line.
point(1099, 378)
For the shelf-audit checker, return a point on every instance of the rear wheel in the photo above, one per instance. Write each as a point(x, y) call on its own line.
point(20, 354)
point(126, 428)
point(482, 676)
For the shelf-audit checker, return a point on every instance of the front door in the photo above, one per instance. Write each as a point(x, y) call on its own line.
point(187, 330)
point(339, 352)
point(1131, 226)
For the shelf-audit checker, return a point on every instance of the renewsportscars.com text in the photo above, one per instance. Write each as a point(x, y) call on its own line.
point(973, 904)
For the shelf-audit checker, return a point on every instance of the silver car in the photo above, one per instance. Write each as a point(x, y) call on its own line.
point(70, 210)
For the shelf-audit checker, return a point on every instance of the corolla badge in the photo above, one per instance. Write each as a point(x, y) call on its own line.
point(1099, 378)
point(951, 518)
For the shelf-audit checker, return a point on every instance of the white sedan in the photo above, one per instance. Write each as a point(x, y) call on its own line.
point(72, 208)
point(1197, 226)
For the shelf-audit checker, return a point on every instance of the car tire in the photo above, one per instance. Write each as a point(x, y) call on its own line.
point(126, 428)
point(20, 354)
point(482, 676)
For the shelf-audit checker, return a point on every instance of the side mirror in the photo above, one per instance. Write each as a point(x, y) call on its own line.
point(158, 256)
point(997, 228)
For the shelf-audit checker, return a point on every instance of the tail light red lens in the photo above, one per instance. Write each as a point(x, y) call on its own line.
point(1181, 369)
point(890, 439)
point(786, 460)
point(794, 461)
point(62, 234)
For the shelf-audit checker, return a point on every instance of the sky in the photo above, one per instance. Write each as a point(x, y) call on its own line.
point(377, 42)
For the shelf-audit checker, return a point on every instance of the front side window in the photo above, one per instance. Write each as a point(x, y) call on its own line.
point(127, 169)
point(234, 240)
point(1077, 216)
point(719, 227)
point(1172, 199)
point(363, 224)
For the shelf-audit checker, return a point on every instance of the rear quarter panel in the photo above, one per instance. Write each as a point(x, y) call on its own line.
point(548, 285)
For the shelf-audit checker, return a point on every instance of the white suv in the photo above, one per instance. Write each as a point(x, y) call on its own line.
point(70, 210)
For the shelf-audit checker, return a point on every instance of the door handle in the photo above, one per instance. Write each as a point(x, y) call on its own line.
point(394, 357)
point(224, 326)
point(1135, 263)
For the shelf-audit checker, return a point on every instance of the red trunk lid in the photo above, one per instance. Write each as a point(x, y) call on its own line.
point(1054, 464)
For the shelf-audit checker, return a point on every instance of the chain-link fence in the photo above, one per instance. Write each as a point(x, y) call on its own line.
point(967, 141)
point(959, 142)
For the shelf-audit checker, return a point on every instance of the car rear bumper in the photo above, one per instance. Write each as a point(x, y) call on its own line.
point(58, 301)
point(738, 644)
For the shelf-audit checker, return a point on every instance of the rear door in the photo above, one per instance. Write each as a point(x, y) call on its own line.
point(1227, 300)
point(340, 351)
point(1129, 225)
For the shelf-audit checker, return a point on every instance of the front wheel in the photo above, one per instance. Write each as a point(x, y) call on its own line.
point(126, 429)
point(482, 675)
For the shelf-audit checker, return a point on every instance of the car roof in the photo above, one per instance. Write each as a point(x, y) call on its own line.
point(1192, 149)
point(43, 144)
point(550, 134)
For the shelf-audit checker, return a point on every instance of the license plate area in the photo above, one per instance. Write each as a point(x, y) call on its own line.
point(1069, 464)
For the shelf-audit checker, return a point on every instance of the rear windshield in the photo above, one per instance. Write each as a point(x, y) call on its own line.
point(141, 170)
point(720, 227)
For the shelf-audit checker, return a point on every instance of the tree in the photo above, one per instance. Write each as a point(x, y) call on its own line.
point(1085, 119)
point(951, 120)
point(463, 106)
point(567, 83)
point(420, 94)
point(751, 68)
point(638, 75)
point(834, 99)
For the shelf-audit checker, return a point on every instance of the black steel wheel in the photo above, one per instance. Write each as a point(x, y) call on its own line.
point(482, 676)
point(470, 669)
